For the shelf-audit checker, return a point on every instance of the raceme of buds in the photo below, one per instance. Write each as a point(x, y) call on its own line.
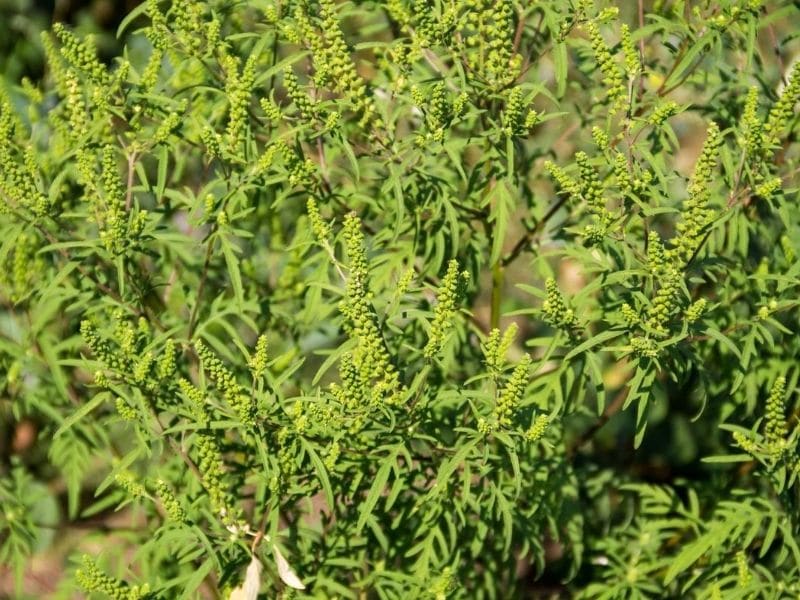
point(92, 579)
point(497, 347)
point(238, 85)
point(490, 37)
point(696, 214)
point(537, 428)
point(555, 309)
point(564, 181)
point(370, 358)
point(258, 362)
point(751, 124)
point(322, 230)
point(300, 98)
point(226, 383)
point(663, 112)
point(612, 75)
point(447, 298)
point(170, 503)
point(695, 311)
point(633, 66)
point(783, 110)
point(508, 402)
point(665, 302)
point(775, 418)
point(81, 54)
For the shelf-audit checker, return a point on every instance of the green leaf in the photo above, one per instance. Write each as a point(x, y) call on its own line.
point(233, 270)
point(592, 342)
point(377, 488)
point(560, 64)
point(690, 555)
point(82, 412)
point(322, 472)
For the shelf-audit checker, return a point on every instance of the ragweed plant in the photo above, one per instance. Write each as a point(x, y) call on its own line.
point(405, 299)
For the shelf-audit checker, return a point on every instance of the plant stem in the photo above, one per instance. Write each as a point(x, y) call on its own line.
point(497, 294)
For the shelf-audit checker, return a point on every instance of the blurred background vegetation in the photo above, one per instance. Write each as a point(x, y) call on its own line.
point(22, 21)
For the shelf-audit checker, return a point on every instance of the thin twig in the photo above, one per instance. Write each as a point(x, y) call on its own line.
point(526, 240)
point(610, 411)
point(201, 286)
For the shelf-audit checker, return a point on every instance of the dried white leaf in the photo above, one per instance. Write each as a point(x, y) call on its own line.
point(287, 575)
point(252, 582)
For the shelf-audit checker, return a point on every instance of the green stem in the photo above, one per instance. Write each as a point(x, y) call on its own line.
point(497, 293)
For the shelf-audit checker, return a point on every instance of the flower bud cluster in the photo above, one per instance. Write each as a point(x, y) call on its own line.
point(258, 362)
point(169, 125)
point(662, 112)
point(439, 112)
point(633, 65)
point(743, 569)
point(489, 35)
point(82, 55)
point(126, 411)
point(332, 455)
point(775, 418)
point(170, 503)
point(271, 110)
point(768, 187)
point(333, 63)
point(124, 353)
point(612, 74)
point(301, 170)
point(430, 28)
point(555, 309)
point(695, 310)
point(783, 110)
point(120, 230)
point(508, 402)
point(622, 173)
point(497, 347)
point(166, 362)
point(238, 85)
point(697, 214)
point(321, 229)
point(373, 375)
point(18, 170)
point(152, 69)
point(225, 382)
point(187, 19)
point(128, 482)
point(103, 349)
point(92, 580)
point(600, 138)
point(745, 443)
point(305, 106)
point(267, 158)
point(212, 469)
point(644, 347)
point(592, 192)
point(751, 125)
point(665, 302)
point(518, 117)
point(21, 267)
point(448, 297)
point(775, 443)
point(630, 316)
point(564, 181)
point(537, 428)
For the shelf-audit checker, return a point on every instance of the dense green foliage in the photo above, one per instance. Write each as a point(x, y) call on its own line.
point(406, 299)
